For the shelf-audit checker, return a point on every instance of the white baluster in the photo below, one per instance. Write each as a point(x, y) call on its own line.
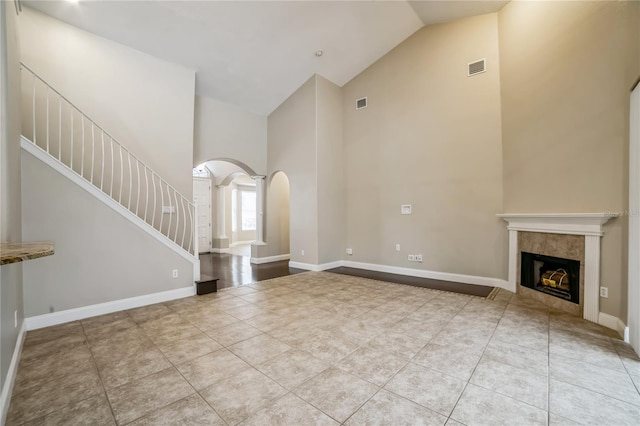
point(153, 219)
point(184, 225)
point(112, 165)
point(59, 128)
point(138, 183)
point(102, 160)
point(175, 233)
point(47, 126)
point(170, 215)
point(93, 147)
point(121, 174)
point(82, 150)
point(161, 203)
point(146, 191)
point(130, 180)
point(33, 107)
point(194, 229)
point(72, 132)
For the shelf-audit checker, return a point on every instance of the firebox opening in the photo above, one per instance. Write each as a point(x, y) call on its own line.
point(552, 275)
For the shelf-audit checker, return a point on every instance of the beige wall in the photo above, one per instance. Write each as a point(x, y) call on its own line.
point(147, 104)
point(90, 265)
point(11, 276)
point(565, 109)
point(330, 163)
point(429, 137)
point(291, 148)
point(227, 131)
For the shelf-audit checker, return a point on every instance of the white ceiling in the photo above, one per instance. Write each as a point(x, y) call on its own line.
point(255, 54)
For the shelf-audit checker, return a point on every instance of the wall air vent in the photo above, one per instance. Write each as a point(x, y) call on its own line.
point(476, 67)
point(361, 103)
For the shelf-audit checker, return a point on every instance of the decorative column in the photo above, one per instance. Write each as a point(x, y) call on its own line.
point(221, 226)
point(260, 207)
point(513, 259)
point(591, 306)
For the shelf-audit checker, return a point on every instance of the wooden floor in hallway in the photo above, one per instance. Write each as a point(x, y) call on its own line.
point(234, 271)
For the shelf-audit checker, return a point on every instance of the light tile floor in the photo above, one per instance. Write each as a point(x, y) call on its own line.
point(321, 348)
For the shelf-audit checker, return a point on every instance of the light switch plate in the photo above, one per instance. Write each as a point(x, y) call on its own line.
point(405, 209)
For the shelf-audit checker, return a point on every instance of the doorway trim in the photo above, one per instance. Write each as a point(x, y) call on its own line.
point(633, 294)
point(199, 210)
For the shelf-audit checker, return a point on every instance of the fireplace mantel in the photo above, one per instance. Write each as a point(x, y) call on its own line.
point(587, 224)
point(558, 223)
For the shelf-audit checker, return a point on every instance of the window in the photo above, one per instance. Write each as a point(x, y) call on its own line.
point(201, 171)
point(243, 209)
point(248, 200)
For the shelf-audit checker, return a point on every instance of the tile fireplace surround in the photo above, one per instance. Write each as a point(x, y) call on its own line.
point(536, 231)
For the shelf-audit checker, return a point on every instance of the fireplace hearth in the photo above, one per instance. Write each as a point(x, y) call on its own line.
point(555, 276)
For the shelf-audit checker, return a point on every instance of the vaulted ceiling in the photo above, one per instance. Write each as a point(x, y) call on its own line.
point(255, 54)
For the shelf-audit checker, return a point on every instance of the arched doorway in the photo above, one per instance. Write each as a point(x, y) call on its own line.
point(233, 204)
point(278, 216)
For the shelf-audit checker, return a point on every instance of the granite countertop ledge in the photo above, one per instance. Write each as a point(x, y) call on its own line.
point(19, 252)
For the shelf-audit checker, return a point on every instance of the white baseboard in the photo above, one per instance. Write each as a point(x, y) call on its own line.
point(241, 243)
point(614, 323)
point(269, 259)
point(220, 250)
point(315, 268)
point(7, 388)
point(330, 265)
point(305, 266)
point(421, 273)
point(55, 318)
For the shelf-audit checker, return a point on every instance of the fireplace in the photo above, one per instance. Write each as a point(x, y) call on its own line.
point(565, 235)
point(552, 275)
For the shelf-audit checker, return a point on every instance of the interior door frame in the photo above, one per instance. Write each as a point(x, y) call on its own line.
point(208, 180)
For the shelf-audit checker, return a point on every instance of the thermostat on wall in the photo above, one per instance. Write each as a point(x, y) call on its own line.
point(405, 209)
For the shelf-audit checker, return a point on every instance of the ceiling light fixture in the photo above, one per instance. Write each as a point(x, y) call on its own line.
point(319, 52)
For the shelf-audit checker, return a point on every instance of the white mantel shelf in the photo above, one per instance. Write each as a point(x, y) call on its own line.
point(558, 223)
point(587, 224)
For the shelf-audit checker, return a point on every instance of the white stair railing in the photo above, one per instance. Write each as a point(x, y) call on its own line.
point(54, 124)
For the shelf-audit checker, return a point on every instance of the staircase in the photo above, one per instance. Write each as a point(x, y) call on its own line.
point(57, 132)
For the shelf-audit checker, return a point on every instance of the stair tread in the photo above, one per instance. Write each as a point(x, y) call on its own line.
point(204, 278)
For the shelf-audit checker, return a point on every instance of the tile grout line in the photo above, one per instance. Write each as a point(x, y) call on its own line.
point(95, 364)
point(196, 392)
point(468, 381)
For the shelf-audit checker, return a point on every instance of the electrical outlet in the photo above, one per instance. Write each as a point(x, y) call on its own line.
point(349, 251)
point(604, 292)
point(302, 252)
point(397, 247)
point(418, 258)
point(175, 273)
point(411, 258)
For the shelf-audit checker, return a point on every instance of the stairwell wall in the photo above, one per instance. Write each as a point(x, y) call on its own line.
point(147, 104)
point(100, 256)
